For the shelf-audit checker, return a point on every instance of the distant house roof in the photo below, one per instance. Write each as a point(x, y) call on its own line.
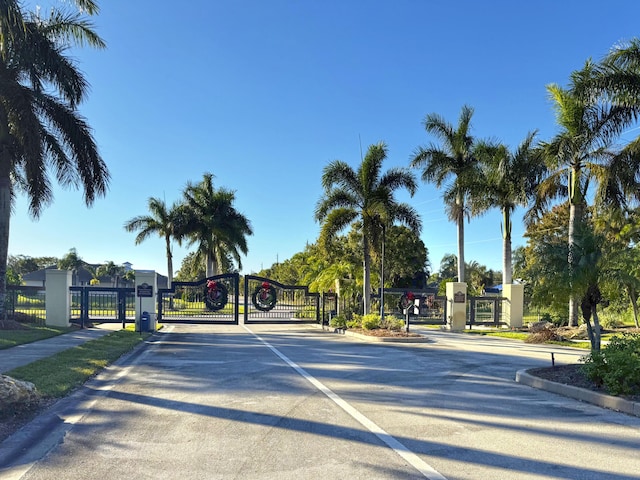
point(84, 277)
point(81, 276)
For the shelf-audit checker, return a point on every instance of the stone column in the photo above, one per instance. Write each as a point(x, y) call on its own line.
point(513, 304)
point(146, 279)
point(456, 306)
point(57, 297)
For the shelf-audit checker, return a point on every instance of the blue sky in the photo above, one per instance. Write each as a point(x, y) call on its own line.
point(265, 94)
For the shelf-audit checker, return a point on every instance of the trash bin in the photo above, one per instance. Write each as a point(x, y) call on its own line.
point(145, 320)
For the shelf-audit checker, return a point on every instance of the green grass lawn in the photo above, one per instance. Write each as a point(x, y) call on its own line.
point(11, 338)
point(58, 375)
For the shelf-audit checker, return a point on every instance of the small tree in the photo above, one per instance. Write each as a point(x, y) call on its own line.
point(581, 281)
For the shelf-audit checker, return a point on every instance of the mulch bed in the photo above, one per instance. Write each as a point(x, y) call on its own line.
point(382, 332)
point(572, 375)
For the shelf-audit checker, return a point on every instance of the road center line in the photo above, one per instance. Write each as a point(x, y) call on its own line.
point(424, 468)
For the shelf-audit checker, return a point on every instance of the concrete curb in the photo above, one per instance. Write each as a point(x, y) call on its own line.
point(16, 446)
point(372, 339)
point(582, 394)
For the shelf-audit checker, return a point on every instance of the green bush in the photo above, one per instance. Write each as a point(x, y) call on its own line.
point(339, 321)
point(355, 321)
point(393, 323)
point(610, 319)
point(558, 320)
point(371, 321)
point(617, 365)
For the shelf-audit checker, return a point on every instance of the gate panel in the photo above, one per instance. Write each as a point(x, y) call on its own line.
point(485, 310)
point(428, 308)
point(213, 300)
point(102, 304)
point(268, 301)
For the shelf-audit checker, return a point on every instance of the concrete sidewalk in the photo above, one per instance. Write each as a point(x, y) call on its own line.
point(24, 354)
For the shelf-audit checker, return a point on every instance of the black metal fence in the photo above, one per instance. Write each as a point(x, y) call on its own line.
point(102, 304)
point(210, 300)
point(424, 306)
point(26, 304)
point(268, 301)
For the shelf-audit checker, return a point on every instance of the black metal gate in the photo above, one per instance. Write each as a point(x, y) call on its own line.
point(268, 301)
point(213, 300)
point(485, 311)
point(426, 306)
point(102, 304)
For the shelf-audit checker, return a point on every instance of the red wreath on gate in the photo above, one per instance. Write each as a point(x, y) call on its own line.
point(264, 297)
point(216, 295)
point(406, 300)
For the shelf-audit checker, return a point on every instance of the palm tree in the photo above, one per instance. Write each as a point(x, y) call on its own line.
point(112, 270)
point(160, 221)
point(365, 196)
point(72, 261)
point(40, 127)
point(452, 162)
point(511, 179)
point(583, 152)
point(211, 221)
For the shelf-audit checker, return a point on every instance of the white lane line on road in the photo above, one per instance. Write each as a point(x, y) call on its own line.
point(416, 462)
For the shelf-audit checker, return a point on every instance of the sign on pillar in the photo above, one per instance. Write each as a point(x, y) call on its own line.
point(456, 306)
point(146, 292)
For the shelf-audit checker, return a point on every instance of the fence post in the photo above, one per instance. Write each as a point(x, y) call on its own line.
point(513, 304)
point(57, 297)
point(456, 306)
point(146, 279)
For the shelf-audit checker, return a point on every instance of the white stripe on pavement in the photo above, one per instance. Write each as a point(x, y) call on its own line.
point(424, 468)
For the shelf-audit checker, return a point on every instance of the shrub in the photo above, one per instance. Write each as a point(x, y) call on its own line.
point(339, 321)
point(371, 321)
point(355, 322)
point(610, 319)
point(558, 320)
point(617, 365)
point(393, 323)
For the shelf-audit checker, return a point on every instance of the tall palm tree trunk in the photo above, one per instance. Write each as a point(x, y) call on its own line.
point(576, 209)
point(5, 218)
point(169, 261)
point(460, 214)
point(209, 265)
point(506, 247)
point(5, 208)
point(366, 288)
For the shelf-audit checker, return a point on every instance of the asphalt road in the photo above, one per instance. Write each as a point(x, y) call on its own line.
point(295, 402)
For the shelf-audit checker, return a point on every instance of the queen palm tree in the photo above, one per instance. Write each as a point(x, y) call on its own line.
point(40, 127)
point(511, 179)
point(211, 221)
point(365, 196)
point(161, 221)
point(452, 164)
